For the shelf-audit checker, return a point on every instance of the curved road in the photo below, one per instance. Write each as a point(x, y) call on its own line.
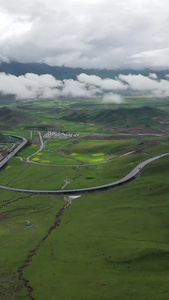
point(10, 155)
point(130, 176)
point(40, 149)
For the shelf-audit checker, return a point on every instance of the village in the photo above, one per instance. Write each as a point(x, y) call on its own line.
point(59, 135)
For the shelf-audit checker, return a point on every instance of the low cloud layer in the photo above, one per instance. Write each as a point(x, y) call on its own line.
point(105, 84)
point(112, 98)
point(148, 85)
point(33, 86)
point(30, 86)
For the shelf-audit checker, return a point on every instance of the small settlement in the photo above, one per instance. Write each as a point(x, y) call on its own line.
point(59, 135)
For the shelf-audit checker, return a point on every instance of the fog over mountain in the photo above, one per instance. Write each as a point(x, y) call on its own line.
point(90, 34)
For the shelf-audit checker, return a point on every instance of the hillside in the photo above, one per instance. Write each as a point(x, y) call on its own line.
point(16, 68)
point(13, 116)
point(31, 115)
point(144, 116)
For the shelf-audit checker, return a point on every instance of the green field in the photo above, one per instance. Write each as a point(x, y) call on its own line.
point(31, 176)
point(17, 240)
point(104, 245)
point(112, 245)
point(85, 116)
point(79, 151)
point(109, 244)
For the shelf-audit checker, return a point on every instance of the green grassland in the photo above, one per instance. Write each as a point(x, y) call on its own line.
point(47, 177)
point(28, 151)
point(20, 132)
point(10, 197)
point(32, 176)
point(110, 245)
point(17, 240)
point(83, 151)
point(159, 149)
point(84, 115)
point(80, 151)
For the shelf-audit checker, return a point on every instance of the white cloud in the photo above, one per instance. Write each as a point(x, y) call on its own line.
point(30, 86)
point(152, 58)
point(13, 26)
point(98, 33)
point(153, 76)
point(33, 86)
point(158, 88)
point(113, 98)
point(105, 84)
point(73, 88)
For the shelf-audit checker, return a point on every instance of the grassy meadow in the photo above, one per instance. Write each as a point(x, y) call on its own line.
point(32, 176)
point(17, 240)
point(79, 151)
point(108, 245)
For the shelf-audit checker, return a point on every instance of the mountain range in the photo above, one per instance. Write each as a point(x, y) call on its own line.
point(17, 69)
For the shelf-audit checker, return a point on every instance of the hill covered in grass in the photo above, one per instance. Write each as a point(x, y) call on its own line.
point(144, 116)
point(13, 116)
point(32, 115)
point(2, 138)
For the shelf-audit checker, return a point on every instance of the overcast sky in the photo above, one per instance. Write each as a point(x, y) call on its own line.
point(86, 33)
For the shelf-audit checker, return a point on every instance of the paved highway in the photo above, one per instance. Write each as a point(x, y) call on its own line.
point(130, 176)
point(40, 149)
point(10, 155)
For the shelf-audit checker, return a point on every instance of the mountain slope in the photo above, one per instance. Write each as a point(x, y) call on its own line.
point(18, 69)
point(144, 116)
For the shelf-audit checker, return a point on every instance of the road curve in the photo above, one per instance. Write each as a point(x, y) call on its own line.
point(129, 177)
point(10, 155)
point(40, 149)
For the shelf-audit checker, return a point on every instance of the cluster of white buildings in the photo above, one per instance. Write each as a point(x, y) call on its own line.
point(59, 135)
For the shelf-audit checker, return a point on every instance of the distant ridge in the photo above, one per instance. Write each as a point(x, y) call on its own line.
point(13, 116)
point(123, 117)
point(17, 69)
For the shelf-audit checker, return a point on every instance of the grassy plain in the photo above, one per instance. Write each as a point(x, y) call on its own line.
point(47, 177)
point(84, 115)
point(33, 176)
point(81, 151)
point(17, 240)
point(110, 245)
